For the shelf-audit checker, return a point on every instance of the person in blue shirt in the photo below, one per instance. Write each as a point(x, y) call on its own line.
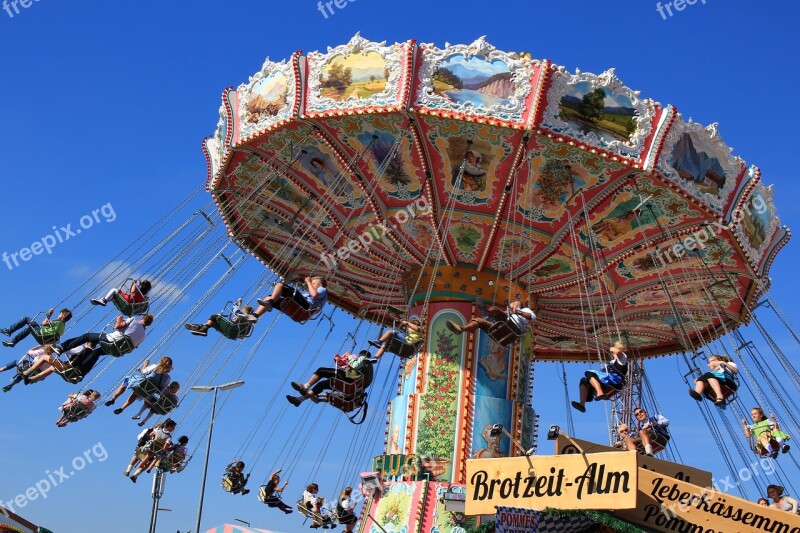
point(313, 297)
point(653, 430)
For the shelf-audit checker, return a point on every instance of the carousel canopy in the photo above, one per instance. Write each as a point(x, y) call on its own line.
point(382, 166)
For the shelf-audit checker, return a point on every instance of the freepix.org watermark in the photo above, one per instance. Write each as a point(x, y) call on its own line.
point(12, 6)
point(53, 479)
point(326, 7)
point(60, 235)
point(375, 232)
point(666, 8)
point(697, 241)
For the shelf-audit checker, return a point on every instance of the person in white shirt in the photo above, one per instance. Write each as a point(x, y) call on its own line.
point(519, 318)
point(133, 328)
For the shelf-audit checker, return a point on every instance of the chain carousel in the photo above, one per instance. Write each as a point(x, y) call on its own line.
point(438, 181)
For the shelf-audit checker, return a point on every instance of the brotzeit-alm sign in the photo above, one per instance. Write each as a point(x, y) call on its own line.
point(596, 481)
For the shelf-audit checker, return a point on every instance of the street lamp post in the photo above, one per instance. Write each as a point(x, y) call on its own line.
point(214, 389)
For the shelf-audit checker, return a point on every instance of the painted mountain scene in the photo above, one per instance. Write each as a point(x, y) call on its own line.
point(693, 164)
point(607, 114)
point(477, 80)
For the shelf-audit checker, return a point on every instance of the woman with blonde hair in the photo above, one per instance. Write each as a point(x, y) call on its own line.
point(344, 510)
point(157, 376)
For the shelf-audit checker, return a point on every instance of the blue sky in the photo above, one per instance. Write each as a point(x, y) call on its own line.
point(109, 101)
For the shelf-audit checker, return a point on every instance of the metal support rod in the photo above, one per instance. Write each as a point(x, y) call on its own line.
point(205, 466)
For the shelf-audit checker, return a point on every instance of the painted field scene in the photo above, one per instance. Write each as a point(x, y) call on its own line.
point(608, 115)
point(355, 76)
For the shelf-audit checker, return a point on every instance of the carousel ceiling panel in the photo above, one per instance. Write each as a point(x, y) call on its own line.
point(477, 82)
point(386, 150)
point(471, 163)
point(566, 265)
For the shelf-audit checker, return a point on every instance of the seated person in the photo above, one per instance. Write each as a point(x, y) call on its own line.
point(314, 503)
point(137, 294)
point(68, 408)
point(781, 501)
point(143, 438)
point(356, 367)
point(133, 328)
point(238, 315)
point(412, 334)
point(46, 328)
point(769, 438)
point(158, 442)
point(519, 318)
point(159, 405)
point(344, 510)
point(604, 383)
point(652, 431)
point(722, 372)
point(80, 360)
point(314, 297)
point(38, 357)
point(235, 474)
point(763, 501)
point(272, 492)
point(157, 375)
point(173, 460)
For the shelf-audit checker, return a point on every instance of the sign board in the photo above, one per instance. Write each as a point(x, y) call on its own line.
point(597, 481)
point(397, 465)
point(513, 520)
point(702, 478)
point(669, 505)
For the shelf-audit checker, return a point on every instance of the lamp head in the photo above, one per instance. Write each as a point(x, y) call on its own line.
point(496, 430)
point(553, 432)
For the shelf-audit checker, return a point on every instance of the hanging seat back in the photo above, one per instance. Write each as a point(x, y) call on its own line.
point(150, 386)
point(728, 392)
point(402, 349)
point(172, 462)
point(504, 333)
point(118, 348)
point(36, 331)
point(70, 374)
point(24, 364)
point(164, 404)
point(303, 509)
point(297, 312)
point(233, 330)
point(125, 307)
point(263, 497)
point(232, 482)
point(75, 411)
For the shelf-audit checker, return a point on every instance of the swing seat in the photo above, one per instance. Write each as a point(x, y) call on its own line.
point(70, 374)
point(297, 312)
point(23, 365)
point(326, 521)
point(125, 307)
point(76, 411)
point(118, 348)
point(347, 404)
point(504, 333)
point(400, 348)
point(151, 446)
point(229, 484)
point(149, 387)
point(267, 499)
point(728, 394)
point(173, 462)
point(50, 338)
point(164, 404)
point(758, 449)
point(233, 330)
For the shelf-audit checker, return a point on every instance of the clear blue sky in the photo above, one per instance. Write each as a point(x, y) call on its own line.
point(108, 102)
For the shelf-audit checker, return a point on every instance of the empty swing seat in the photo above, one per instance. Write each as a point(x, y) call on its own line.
point(117, 348)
